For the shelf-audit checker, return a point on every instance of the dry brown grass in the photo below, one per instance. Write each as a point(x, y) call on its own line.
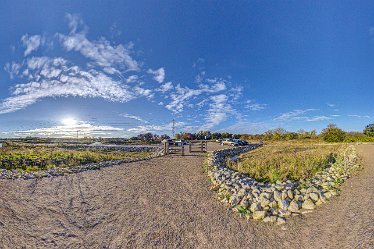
point(287, 160)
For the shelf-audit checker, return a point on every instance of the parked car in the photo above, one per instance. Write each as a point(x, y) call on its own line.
point(230, 142)
point(241, 142)
point(180, 142)
point(234, 142)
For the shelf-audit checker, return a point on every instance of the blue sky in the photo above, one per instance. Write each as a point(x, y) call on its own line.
point(119, 68)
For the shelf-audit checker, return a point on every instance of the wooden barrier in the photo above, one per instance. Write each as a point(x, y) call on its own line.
point(198, 146)
point(173, 149)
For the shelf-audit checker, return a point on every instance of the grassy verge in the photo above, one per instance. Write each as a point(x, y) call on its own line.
point(41, 158)
point(287, 161)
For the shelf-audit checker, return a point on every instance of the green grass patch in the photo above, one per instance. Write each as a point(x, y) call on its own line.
point(287, 161)
point(41, 158)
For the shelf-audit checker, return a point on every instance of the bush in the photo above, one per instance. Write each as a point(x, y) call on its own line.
point(333, 134)
point(369, 130)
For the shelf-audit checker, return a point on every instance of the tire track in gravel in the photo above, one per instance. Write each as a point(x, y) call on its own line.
point(165, 203)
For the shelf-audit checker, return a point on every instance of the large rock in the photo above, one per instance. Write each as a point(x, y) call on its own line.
point(234, 200)
point(284, 213)
point(264, 201)
point(294, 207)
point(259, 215)
point(256, 206)
point(308, 204)
point(314, 196)
point(283, 204)
point(277, 196)
point(290, 194)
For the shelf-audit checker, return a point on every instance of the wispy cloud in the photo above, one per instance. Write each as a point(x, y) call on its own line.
point(113, 59)
point(317, 118)
point(253, 106)
point(83, 129)
point(218, 111)
point(137, 118)
point(32, 43)
point(295, 114)
point(99, 68)
point(166, 87)
point(57, 77)
point(60, 77)
point(166, 128)
point(158, 75)
point(12, 68)
point(358, 116)
point(182, 95)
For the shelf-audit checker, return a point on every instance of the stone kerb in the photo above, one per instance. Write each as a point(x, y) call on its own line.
point(275, 202)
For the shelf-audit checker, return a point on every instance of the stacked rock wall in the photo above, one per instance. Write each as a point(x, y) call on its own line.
point(274, 202)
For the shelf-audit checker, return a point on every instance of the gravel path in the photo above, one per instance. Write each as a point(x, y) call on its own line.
point(165, 203)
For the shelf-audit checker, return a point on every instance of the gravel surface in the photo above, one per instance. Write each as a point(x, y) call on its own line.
point(165, 203)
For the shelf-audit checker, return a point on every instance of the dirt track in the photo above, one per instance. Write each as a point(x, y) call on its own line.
point(165, 203)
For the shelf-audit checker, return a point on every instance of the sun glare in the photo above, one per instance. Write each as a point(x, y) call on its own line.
point(69, 121)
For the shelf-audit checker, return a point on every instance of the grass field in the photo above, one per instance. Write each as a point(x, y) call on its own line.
point(41, 157)
point(287, 161)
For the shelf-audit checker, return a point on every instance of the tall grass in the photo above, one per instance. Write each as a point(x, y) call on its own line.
point(41, 158)
point(283, 161)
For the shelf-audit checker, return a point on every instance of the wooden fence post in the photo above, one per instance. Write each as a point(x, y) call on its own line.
point(166, 148)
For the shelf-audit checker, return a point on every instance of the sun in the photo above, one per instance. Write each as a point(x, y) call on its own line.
point(69, 121)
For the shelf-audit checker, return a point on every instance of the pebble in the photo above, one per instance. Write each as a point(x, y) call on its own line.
point(308, 204)
point(259, 215)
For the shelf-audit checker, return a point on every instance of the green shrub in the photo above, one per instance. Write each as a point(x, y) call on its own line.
point(369, 130)
point(333, 134)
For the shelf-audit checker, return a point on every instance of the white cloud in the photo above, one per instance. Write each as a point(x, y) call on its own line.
point(59, 77)
point(358, 116)
point(218, 111)
point(155, 128)
point(253, 106)
point(158, 75)
point(12, 68)
point(317, 118)
point(183, 95)
point(295, 114)
point(74, 21)
point(55, 77)
point(83, 128)
point(331, 105)
point(125, 115)
point(113, 59)
point(32, 43)
point(166, 87)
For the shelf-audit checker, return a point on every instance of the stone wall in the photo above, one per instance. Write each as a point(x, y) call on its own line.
point(275, 202)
